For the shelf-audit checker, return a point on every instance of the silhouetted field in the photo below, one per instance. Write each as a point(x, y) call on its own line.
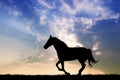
point(59, 77)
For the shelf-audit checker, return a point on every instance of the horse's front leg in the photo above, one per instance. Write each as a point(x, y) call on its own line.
point(60, 69)
point(62, 63)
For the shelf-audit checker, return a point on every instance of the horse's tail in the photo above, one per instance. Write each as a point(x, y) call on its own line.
point(91, 58)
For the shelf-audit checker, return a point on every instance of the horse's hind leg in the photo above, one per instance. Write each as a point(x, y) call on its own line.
point(82, 68)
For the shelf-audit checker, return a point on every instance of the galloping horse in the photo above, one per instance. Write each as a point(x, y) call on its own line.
point(66, 53)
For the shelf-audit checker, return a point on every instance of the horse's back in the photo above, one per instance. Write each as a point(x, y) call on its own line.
point(77, 49)
point(73, 53)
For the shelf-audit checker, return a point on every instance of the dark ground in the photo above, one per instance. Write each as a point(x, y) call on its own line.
point(59, 77)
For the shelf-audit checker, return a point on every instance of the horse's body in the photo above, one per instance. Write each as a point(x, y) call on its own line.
point(66, 53)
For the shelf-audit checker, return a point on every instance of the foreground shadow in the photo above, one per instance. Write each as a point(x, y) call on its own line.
point(59, 77)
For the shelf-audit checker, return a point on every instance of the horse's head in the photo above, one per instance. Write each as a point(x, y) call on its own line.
point(48, 43)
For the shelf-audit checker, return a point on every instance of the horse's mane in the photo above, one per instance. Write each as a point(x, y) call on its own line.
point(60, 42)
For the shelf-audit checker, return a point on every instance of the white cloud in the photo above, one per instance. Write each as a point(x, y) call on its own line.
point(98, 53)
point(39, 37)
point(43, 17)
point(26, 27)
point(61, 27)
point(48, 5)
point(12, 11)
point(15, 13)
point(86, 23)
point(65, 8)
point(95, 10)
point(96, 46)
point(105, 13)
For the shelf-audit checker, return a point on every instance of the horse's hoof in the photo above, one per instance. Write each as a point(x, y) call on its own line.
point(79, 74)
point(67, 73)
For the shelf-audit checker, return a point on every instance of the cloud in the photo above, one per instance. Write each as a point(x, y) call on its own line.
point(98, 53)
point(59, 26)
point(94, 10)
point(85, 13)
point(46, 4)
point(28, 43)
point(42, 16)
point(12, 11)
point(86, 24)
point(66, 8)
point(62, 27)
point(15, 13)
point(95, 46)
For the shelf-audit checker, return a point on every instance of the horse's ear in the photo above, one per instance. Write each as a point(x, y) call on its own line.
point(50, 36)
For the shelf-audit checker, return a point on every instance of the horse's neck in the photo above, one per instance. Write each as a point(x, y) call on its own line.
point(60, 46)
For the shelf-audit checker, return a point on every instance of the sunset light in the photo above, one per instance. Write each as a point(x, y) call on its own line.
point(26, 25)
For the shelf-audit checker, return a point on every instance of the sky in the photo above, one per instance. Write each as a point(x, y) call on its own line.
point(25, 26)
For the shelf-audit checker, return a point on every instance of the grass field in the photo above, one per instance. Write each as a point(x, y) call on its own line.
point(59, 77)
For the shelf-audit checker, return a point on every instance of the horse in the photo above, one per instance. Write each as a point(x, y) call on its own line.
point(66, 53)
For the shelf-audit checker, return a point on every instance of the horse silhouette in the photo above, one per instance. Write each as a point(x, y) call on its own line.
point(66, 53)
